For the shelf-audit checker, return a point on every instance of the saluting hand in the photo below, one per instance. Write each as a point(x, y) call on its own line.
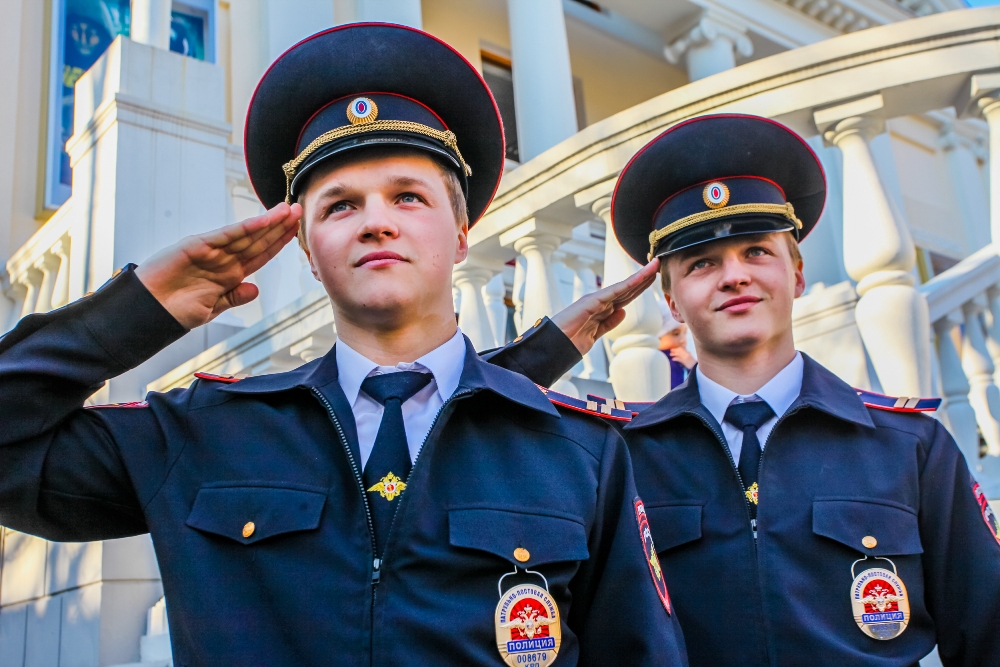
point(202, 276)
point(599, 312)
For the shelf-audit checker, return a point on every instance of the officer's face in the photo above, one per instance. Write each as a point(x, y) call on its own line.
point(383, 239)
point(736, 294)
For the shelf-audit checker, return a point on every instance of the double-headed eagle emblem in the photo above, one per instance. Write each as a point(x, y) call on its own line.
point(389, 486)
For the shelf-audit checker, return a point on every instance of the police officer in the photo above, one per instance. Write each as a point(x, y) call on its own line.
point(799, 521)
point(399, 501)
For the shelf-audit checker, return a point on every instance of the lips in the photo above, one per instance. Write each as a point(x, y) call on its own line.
point(380, 258)
point(739, 304)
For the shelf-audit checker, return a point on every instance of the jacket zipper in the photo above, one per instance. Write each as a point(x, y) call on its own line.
point(722, 441)
point(760, 464)
point(376, 563)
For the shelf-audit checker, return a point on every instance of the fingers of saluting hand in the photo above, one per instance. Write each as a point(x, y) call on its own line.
point(267, 254)
point(623, 293)
point(265, 243)
point(238, 237)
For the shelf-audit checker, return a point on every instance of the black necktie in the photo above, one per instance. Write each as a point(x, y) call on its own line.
point(748, 417)
point(388, 465)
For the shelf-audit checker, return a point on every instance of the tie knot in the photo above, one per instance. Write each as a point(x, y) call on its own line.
point(401, 385)
point(751, 413)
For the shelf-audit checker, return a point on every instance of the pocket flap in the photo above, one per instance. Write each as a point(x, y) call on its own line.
point(545, 538)
point(674, 525)
point(230, 511)
point(849, 521)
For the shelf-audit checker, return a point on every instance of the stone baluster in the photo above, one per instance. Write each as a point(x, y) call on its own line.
point(48, 266)
point(639, 371)
point(983, 395)
point(314, 346)
point(955, 390)
point(891, 315)
point(983, 99)
point(595, 362)
point(496, 308)
point(32, 281)
point(60, 295)
point(473, 317)
point(710, 46)
point(535, 240)
point(517, 291)
point(15, 294)
point(971, 199)
point(992, 321)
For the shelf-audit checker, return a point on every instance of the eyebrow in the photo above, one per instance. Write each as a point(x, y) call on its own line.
point(331, 192)
point(406, 181)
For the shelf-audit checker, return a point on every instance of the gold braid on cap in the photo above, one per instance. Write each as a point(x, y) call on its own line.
point(785, 209)
point(446, 137)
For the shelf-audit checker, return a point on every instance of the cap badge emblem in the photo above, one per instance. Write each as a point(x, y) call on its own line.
point(361, 110)
point(715, 194)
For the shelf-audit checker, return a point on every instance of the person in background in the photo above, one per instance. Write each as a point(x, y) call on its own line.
point(674, 343)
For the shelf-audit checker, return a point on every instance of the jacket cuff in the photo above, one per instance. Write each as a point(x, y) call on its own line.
point(543, 354)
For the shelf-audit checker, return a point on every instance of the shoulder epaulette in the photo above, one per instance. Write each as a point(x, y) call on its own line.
point(588, 406)
point(218, 378)
point(131, 404)
point(635, 407)
point(898, 404)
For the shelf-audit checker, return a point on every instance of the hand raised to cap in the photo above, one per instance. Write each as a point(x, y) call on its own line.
point(202, 276)
point(599, 312)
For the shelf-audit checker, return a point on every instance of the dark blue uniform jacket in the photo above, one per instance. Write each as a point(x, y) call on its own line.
point(833, 471)
point(501, 469)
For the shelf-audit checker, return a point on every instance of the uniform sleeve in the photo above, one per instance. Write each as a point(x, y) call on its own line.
point(61, 472)
point(619, 610)
point(543, 354)
point(962, 557)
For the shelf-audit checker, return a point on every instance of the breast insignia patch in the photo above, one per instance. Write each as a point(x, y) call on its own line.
point(984, 507)
point(590, 407)
point(655, 569)
point(898, 403)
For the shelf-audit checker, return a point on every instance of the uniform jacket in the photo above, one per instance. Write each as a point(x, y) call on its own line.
point(833, 471)
point(502, 468)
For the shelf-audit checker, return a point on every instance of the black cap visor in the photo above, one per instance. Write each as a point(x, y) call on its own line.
point(734, 225)
point(372, 140)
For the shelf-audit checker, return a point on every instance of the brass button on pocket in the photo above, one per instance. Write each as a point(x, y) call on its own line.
point(522, 555)
point(869, 542)
point(248, 529)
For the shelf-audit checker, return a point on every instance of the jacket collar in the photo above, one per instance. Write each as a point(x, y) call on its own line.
point(477, 375)
point(821, 389)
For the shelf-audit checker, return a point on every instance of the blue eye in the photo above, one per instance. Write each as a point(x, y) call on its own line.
point(409, 198)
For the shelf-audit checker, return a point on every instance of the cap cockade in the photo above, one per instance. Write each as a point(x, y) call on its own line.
point(713, 177)
point(372, 84)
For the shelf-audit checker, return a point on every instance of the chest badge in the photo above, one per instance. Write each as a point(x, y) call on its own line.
point(527, 623)
point(881, 605)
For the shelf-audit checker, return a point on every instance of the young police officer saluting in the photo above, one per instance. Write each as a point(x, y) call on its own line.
point(856, 536)
point(397, 502)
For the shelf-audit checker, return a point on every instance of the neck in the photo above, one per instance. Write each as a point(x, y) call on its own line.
point(405, 340)
point(745, 372)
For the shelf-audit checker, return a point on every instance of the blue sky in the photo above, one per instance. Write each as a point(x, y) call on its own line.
point(982, 3)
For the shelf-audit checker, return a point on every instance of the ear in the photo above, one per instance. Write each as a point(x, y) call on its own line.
point(462, 249)
point(309, 257)
point(800, 279)
point(673, 307)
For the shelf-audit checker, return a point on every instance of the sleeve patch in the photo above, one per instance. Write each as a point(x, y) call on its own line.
point(590, 407)
point(655, 570)
point(984, 507)
point(897, 403)
point(132, 404)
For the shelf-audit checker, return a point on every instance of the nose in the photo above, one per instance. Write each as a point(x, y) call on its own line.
point(735, 273)
point(378, 223)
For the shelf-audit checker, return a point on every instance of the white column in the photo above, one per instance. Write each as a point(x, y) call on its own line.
point(496, 309)
point(403, 12)
point(595, 362)
point(990, 108)
point(151, 23)
point(709, 47)
point(543, 79)
point(969, 195)
point(541, 294)
point(983, 395)
point(955, 389)
point(639, 371)
point(517, 290)
point(878, 252)
point(473, 318)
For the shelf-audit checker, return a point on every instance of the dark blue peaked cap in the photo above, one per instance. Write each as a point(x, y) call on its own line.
point(372, 84)
point(713, 177)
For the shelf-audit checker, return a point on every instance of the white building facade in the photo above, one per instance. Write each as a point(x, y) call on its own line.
point(122, 127)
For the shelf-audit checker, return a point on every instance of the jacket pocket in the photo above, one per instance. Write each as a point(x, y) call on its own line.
point(545, 538)
point(674, 525)
point(249, 514)
point(851, 520)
